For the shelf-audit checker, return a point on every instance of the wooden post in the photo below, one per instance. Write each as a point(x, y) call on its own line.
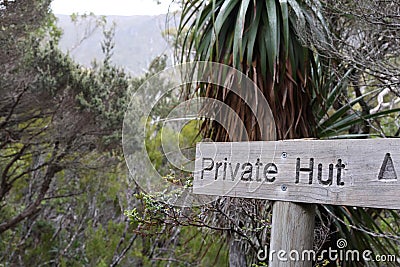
point(292, 234)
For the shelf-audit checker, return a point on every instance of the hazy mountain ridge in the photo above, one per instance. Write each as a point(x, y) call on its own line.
point(138, 40)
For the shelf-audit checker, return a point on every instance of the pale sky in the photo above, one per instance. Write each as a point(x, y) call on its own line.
point(114, 7)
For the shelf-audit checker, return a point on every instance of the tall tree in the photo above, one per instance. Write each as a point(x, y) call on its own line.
point(59, 173)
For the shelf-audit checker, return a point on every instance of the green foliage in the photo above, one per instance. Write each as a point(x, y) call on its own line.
point(64, 184)
point(101, 91)
point(101, 241)
point(191, 245)
point(73, 125)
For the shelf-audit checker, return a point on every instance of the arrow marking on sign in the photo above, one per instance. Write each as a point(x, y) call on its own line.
point(387, 171)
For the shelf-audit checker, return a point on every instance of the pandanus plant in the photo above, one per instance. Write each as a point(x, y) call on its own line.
point(262, 38)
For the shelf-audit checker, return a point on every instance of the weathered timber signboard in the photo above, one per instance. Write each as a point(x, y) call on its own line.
point(340, 172)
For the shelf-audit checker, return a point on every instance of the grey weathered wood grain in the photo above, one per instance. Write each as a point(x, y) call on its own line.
point(368, 169)
point(292, 231)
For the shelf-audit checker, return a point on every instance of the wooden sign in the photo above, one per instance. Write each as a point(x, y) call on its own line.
point(338, 172)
